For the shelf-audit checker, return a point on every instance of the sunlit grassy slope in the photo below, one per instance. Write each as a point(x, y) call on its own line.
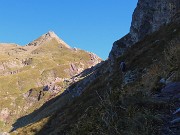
point(108, 107)
point(28, 67)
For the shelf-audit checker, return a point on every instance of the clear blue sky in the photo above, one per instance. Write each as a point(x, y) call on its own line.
point(92, 25)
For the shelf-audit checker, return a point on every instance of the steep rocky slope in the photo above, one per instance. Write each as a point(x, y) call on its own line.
point(33, 74)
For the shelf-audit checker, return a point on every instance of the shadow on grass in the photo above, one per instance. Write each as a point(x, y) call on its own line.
point(60, 102)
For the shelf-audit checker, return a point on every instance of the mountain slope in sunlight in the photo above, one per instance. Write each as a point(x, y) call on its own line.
point(33, 74)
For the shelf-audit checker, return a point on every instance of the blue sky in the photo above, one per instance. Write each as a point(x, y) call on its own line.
point(91, 25)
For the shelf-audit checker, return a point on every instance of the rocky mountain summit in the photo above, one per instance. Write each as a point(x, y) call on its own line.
point(46, 37)
point(148, 17)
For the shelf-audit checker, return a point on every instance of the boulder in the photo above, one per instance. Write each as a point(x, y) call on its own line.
point(46, 88)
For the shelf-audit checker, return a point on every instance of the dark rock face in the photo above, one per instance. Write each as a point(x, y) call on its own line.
point(148, 17)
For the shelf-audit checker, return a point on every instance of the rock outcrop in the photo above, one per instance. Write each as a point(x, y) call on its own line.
point(148, 17)
point(4, 114)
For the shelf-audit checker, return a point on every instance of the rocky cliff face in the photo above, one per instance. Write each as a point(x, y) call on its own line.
point(148, 17)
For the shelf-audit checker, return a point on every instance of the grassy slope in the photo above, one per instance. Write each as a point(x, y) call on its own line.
point(106, 108)
point(48, 62)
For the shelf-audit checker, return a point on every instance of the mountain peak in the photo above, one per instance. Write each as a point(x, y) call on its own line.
point(47, 37)
point(52, 34)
